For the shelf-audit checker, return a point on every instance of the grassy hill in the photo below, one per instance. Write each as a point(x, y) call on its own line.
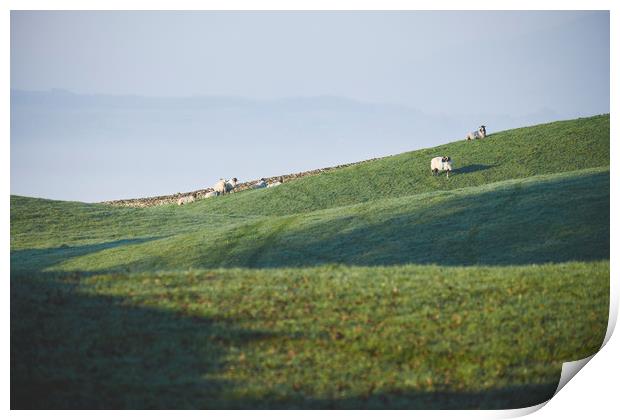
point(375, 285)
point(544, 149)
point(561, 217)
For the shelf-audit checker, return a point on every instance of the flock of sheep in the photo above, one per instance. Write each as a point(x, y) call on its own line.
point(263, 183)
point(223, 186)
point(444, 163)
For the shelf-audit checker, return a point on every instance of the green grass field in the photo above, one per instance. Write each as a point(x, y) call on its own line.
point(371, 286)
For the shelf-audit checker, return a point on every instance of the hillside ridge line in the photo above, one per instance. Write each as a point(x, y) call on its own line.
point(172, 198)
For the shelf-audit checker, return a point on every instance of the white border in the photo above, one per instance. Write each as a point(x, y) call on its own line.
point(591, 394)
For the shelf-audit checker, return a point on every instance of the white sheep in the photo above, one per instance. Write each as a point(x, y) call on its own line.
point(230, 185)
point(187, 199)
point(260, 184)
point(441, 163)
point(480, 134)
point(223, 186)
point(211, 194)
point(275, 184)
point(220, 187)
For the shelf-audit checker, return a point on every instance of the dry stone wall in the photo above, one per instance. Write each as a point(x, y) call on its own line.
point(173, 198)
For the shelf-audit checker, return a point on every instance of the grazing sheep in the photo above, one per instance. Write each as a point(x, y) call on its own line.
point(187, 199)
point(275, 184)
point(480, 134)
point(223, 186)
point(230, 185)
point(260, 184)
point(441, 163)
point(220, 187)
point(211, 194)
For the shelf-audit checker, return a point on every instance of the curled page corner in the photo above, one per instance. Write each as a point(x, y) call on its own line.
point(570, 369)
point(520, 412)
point(613, 314)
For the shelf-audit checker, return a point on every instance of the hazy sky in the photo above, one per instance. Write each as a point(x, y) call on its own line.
point(498, 68)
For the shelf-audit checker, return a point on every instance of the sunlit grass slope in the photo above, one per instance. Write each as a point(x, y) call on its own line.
point(371, 286)
point(543, 149)
point(549, 218)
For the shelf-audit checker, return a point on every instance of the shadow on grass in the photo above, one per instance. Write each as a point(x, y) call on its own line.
point(40, 259)
point(73, 350)
point(553, 221)
point(546, 222)
point(472, 168)
point(77, 351)
point(402, 399)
